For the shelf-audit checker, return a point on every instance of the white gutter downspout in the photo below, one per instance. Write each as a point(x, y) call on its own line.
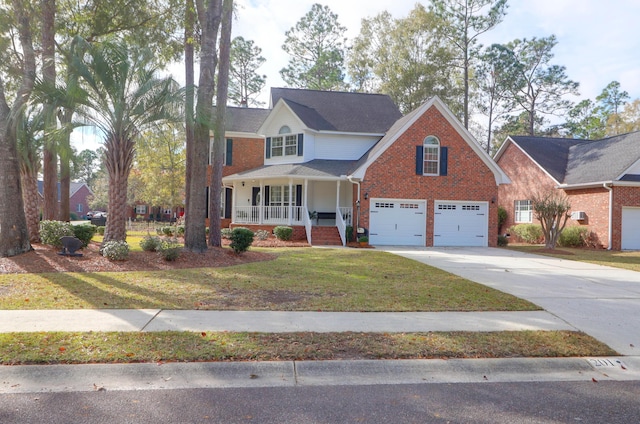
point(350, 178)
point(610, 214)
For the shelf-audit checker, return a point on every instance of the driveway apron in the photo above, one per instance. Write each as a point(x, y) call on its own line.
point(601, 301)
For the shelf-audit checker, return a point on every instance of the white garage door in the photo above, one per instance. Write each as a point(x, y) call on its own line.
point(630, 228)
point(460, 224)
point(397, 222)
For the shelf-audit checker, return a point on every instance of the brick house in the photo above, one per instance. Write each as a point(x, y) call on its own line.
point(78, 194)
point(329, 160)
point(600, 177)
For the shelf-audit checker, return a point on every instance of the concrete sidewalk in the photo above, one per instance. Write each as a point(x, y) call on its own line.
point(273, 321)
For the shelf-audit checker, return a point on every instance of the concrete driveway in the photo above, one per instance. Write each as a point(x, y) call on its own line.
point(601, 301)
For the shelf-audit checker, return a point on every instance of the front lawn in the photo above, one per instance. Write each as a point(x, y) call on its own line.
point(298, 279)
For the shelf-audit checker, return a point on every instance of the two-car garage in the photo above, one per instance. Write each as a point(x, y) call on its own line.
point(403, 222)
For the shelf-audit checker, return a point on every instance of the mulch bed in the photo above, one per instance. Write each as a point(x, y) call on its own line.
point(45, 258)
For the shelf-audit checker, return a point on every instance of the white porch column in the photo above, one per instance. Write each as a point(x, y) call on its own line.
point(305, 199)
point(338, 194)
point(290, 203)
point(233, 202)
point(263, 202)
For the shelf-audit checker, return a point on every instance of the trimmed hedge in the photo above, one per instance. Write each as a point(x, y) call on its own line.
point(573, 236)
point(283, 232)
point(241, 239)
point(51, 231)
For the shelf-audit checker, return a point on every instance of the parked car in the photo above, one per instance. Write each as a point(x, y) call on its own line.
point(90, 214)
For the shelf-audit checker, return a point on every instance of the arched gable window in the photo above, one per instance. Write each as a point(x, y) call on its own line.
point(431, 156)
point(284, 130)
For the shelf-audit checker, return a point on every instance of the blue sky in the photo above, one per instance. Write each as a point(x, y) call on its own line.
point(598, 40)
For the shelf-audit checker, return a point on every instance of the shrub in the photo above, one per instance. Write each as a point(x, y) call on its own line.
point(150, 243)
point(262, 234)
point(169, 250)
point(363, 239)
point(225, 233)
point(349, 233)
point(283, 233)
point(573, 236)
point(528, 233)
point(51, 231)
point(100, 230)
point(167, 230)
point(73, 216)
point(180, 230)
point(115, 250)
point(241, 239)
point(502, 217)
point(84, 233)
point(503, 241)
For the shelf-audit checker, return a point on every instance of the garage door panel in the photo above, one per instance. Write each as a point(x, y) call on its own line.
point(630, 229)
point(397, 222)
point(460, 224)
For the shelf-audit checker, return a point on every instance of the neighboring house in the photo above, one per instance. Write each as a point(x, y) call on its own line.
point(322, 161)
point(78, 194)
point(600, 177)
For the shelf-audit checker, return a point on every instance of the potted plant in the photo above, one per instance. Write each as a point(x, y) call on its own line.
point(363, 240)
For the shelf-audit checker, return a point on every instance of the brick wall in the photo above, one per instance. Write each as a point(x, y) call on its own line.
point(248, 153)
point(468, 178)
point(622, 196)
point(526, 179)
point(595, 203)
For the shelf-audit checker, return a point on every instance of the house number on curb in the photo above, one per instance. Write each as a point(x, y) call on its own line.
point(603, 362)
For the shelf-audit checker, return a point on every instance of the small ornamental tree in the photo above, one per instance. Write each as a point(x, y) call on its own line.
point(552, 209)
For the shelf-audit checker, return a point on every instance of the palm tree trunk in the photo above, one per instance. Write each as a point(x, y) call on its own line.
point(50, 167)
point(118, 161)
point(30, 200)
point(14, 237)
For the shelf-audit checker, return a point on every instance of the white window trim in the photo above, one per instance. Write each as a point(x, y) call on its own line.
point(521, 214)
point(286, 142)
point(431, 143)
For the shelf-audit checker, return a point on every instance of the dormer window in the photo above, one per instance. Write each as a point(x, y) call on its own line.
point(284, 144)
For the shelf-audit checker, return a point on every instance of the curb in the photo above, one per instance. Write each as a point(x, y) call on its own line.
point(163, 376)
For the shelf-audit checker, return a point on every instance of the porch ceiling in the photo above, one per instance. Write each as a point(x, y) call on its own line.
point(315, 169)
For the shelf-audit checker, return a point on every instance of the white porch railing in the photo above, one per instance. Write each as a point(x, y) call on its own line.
point(271, 215)
point(346, 214)
point(342, 226)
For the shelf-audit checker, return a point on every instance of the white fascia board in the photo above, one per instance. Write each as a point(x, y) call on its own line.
point(238, 134)
point(281, 104)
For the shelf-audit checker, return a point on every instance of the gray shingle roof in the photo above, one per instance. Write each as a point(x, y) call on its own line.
point(313, 169)
point(340, 111)
point(573, 161)
point(243, 119)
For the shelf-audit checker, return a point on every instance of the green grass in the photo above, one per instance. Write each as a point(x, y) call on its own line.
point(111, 347)
point(299, 279)
point(620, 259)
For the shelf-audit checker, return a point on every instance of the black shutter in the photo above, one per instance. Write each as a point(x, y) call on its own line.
point(265, 198)
point(300, 145)
point(419, 160)
point(206, 208)
point(229, 158)
point(268, 148)
point(444, 157)
point(299, 195)
point(228, 198)
point(254, 195)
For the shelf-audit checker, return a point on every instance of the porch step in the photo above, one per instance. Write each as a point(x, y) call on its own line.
point(325, 236)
